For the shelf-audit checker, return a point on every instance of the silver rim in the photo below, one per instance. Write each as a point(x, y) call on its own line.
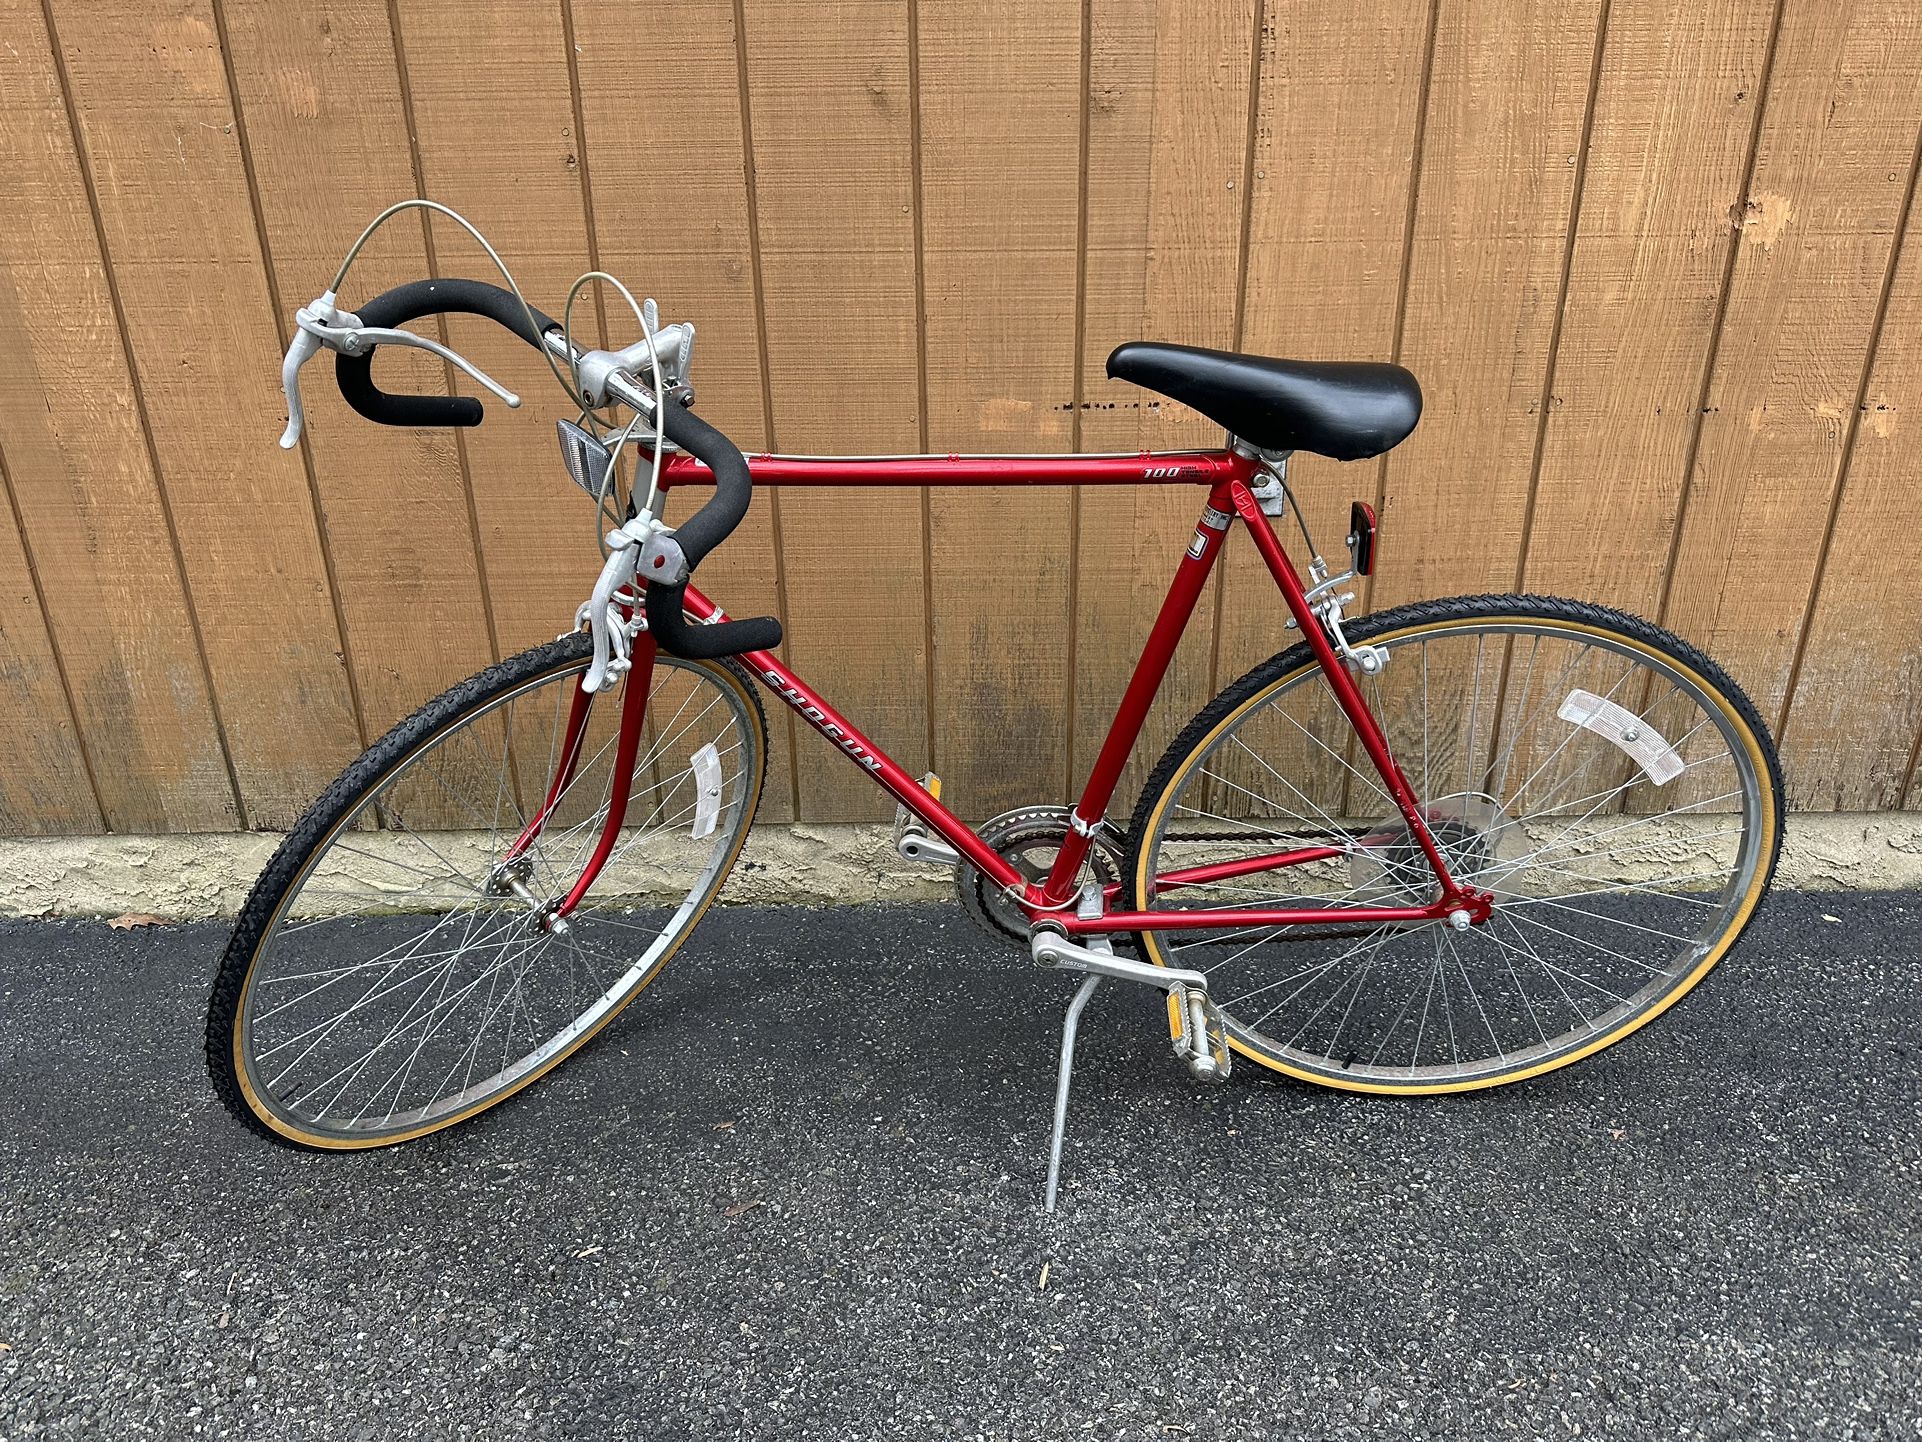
point(1604, 795)
point(401, 983)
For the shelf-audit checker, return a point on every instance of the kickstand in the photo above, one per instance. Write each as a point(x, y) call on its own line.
point(1069, 1026)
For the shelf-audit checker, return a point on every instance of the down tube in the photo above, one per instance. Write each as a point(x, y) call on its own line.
point(848, 740)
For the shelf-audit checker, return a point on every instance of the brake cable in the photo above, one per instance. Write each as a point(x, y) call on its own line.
point(421, 203)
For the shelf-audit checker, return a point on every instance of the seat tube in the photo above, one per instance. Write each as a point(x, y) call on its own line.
point(1177, 609)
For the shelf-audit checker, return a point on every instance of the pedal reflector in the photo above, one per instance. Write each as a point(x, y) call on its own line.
point(1199, 1034)
point(906, 821)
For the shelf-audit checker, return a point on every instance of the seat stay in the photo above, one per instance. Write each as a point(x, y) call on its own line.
point(1348, 697)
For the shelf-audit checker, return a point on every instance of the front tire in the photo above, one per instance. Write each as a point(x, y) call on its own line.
point(385, 980)
point(1609, 783)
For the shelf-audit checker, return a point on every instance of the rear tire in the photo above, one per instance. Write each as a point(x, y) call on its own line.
point(1624, 867)
point(383, 982)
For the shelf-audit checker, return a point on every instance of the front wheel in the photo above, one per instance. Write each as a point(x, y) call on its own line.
point(390, 976)
point(1607, 783)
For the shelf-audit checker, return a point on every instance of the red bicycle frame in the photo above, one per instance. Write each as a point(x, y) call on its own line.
point(1228, 477)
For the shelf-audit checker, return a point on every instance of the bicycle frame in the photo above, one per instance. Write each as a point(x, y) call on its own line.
point(1228, 476)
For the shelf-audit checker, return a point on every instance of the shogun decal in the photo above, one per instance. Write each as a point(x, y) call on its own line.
point(821, 723)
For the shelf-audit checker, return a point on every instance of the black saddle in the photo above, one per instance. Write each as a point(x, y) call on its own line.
point(1348, 410)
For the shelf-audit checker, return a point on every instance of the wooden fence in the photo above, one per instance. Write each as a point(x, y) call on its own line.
point(1653, 261)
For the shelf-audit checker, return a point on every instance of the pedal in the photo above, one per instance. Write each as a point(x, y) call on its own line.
point(911, 838)
point(1200, 1037)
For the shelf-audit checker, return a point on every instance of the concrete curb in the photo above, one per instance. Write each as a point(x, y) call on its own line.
point(179, 877)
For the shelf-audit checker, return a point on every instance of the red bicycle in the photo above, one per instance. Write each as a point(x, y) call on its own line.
point(1446, 846)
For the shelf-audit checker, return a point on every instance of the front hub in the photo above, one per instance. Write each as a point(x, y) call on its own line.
point(510, 879)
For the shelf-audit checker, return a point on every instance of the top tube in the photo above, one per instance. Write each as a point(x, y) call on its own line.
point(1108, 468)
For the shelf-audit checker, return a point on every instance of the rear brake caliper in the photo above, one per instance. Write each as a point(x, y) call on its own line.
point(1326, 600)
point(1324, 594)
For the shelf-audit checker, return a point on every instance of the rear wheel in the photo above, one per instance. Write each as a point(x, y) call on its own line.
point(1608, 783)
point(388, 978)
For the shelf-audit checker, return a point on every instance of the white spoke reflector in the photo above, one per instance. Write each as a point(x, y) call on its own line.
point(1640, 741)
point(707, 790)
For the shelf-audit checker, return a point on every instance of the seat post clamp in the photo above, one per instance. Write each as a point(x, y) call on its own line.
point(1271, 491)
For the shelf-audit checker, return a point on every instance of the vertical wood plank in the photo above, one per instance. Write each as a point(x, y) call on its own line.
point(1857, 704)
point(395, 501)
point(157, 125)
point(83, 486)
point(494, 123)
point(667, 166)
point(832, 117)
point(1168, 97)
point(1670, 145)
point(1507, 103)
point(45, 789)
point(1000, 182)
point(1337, 118)
point(1336, 144)
point(1818, 226)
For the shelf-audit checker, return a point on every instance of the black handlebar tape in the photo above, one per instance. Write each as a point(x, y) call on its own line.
point(733, 485)
point(678, 636)
point(355, 374)
point(706, 529)
point(703, 531)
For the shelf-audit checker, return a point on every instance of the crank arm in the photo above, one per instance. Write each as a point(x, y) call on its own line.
point(1051, 948)
point(1200, 1039)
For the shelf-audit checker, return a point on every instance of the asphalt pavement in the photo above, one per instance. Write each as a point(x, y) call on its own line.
point(795, 1193)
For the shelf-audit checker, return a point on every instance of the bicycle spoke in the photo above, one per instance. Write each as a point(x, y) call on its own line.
point(411, 983)
point(1587, 925)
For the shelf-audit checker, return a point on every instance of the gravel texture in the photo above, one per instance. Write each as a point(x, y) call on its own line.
point(795, 1192)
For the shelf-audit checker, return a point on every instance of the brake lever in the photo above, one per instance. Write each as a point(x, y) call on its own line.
point(322, 324)
point(305, 345)
point(381, 335)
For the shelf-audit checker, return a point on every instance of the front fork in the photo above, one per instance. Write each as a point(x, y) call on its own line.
point(510, 876)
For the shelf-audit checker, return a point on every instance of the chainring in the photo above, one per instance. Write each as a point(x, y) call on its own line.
point(1028, 839)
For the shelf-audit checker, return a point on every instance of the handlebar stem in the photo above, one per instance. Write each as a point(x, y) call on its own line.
point(606, 377)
